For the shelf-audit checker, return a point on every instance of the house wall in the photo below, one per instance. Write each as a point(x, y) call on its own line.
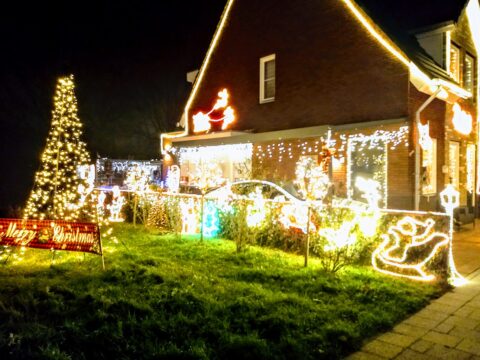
point(462, 35)
point(276, 161)
point(329, 69)
point(435, 114)
point(452, 135)
point(434, 44)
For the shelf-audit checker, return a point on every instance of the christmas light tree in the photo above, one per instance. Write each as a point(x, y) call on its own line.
point(58, 191)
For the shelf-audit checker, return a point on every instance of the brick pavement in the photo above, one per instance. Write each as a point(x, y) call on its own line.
point(449, 327)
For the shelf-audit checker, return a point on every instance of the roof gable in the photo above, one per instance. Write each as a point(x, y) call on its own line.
point(399, 19)
point(409, 15)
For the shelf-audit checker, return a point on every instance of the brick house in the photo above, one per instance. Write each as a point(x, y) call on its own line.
point(346, 83)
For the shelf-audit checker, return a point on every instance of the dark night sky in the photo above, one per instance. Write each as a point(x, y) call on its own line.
point(129, 59)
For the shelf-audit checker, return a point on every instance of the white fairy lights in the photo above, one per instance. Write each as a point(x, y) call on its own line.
point(211, 166)
point(137, 179)
point(312, 181)
point(116, 206)
point(173, 179)
point(409, 236)
point(370, 189)
point(424, 136)
point(55, 193)
point(470, 165)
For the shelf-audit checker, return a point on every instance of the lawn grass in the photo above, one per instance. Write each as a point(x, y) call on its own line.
point(164, 297)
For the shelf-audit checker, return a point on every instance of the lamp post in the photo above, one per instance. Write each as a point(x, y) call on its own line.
point(450, 200)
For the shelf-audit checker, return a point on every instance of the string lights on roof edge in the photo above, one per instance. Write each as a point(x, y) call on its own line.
point(58, 184)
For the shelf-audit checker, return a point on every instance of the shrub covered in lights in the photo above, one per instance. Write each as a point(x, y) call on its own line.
point(345, 236)
point(263, 227)
point(342, 232)
point(165, 214)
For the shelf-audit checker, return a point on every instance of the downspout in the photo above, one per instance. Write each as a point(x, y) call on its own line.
point(417, 146)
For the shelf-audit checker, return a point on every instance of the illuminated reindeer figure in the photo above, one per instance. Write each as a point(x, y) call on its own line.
point(408, 247)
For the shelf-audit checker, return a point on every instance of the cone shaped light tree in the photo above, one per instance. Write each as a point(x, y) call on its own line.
point(56, 192)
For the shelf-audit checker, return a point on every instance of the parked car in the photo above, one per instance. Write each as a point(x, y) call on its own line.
point(272, 191)
point(252, 188)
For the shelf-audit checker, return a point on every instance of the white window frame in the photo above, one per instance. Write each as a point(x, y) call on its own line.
point(264, 60)
point(456, 75)
point(470, 155)
point(430, 155)
point(472, 80)
point(454, 163)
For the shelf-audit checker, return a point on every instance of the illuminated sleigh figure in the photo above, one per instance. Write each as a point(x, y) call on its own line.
point(410, 258)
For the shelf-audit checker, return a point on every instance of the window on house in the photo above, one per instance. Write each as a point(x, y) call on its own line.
point(429, 169)
point(367, 160)
point(454, 163)
point(454, 66)
point(468, 72)
point(267, 78)
point(471, 151)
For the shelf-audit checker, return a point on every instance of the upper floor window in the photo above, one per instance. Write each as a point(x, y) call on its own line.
point(454, 66)
point(267, 78)
point(468, 72)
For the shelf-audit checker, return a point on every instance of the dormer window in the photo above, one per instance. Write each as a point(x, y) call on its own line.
point(267, 79)
point(468, 72)
point(454, 66)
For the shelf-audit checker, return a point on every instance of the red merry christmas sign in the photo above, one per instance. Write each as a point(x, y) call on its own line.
point(51, 234)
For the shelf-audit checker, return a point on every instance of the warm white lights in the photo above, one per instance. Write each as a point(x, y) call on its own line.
point(370, 189)
point(399, 252)
point(55, 194)
point(173, 178)
point(462, 121)
point(116, 206)
point(424, 136)
point(312, 181)
point(211, 166)
point(204, 121)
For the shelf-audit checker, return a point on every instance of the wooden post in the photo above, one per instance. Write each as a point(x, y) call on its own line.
point(201, 215)
point(135, 203)
point(307, 240)
point(99, 237)
point(101, 249)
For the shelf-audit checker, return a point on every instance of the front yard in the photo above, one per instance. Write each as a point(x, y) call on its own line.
point(164, 297)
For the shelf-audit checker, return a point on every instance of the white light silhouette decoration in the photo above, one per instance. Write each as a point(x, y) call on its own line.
point(116, 206)
point(424, 140)
point(392, 256)
point(370, 189)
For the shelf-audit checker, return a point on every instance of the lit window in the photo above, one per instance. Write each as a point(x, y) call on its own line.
point(471, 150)
point(429, 169)
point(453, 163)
point(454, 67)
point(267, 78)
point(468, 73)
point(367, 162)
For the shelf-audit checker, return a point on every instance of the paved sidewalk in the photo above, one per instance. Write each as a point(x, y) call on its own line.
point(449, 327)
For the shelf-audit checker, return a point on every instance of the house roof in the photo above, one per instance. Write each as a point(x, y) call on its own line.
point(400, 19)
